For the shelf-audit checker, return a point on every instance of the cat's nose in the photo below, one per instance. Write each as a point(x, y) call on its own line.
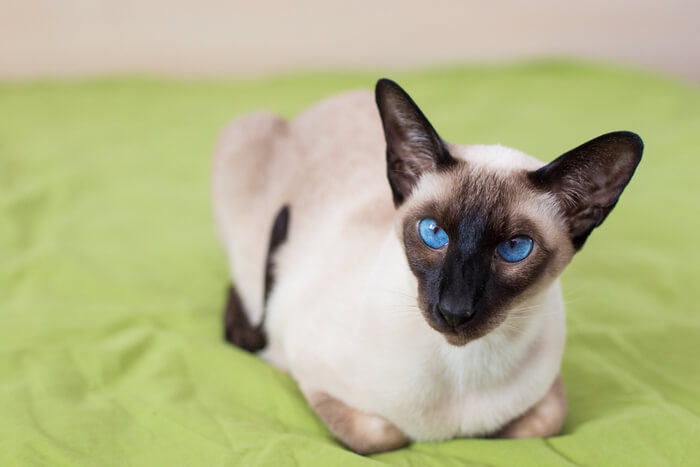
point(455, 314)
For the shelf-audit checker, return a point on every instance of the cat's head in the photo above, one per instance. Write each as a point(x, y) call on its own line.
point(486, 227)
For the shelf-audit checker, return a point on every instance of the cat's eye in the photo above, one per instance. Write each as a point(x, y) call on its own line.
point(432, 234)
point(515, 249)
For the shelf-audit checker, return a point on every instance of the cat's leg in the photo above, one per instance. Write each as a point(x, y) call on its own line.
point(361, 432)
point(544, 419)
point(237, 327)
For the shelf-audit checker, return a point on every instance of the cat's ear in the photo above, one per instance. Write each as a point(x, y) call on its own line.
point(413, 147)
point(588, 180)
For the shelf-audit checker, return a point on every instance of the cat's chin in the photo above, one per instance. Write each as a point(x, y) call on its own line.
point(457, 339)
point(460, 339)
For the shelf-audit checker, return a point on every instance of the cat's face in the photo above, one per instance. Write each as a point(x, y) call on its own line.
point(481, 238)
point(503, 242)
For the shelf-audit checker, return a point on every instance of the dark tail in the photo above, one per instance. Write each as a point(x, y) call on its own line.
point(277, 237)
point(237, 327)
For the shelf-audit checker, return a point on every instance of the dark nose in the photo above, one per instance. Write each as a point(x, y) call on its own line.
point(455, 314)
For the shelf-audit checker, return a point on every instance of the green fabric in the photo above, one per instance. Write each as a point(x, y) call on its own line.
point(112, 281)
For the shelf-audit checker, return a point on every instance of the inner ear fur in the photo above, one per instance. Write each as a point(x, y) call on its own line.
point(413, 147)
point(588, 180)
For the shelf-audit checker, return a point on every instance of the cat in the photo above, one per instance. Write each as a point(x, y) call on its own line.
point(422, 309)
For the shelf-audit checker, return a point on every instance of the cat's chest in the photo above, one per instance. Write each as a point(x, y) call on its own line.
point(391, 363)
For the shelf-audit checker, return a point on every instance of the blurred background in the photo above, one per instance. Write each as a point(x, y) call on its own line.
point(112, 280)
point(43, 38)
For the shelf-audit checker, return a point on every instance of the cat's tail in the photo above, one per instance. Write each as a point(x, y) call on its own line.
point(237, 327)
point(252, 168)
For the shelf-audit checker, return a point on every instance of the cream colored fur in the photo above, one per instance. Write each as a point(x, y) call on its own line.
point(342, 318)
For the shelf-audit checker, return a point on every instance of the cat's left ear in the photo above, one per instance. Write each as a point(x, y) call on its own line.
point(588, 180)
point(413, 147)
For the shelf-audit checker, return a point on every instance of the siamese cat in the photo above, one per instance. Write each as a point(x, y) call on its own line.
point(425, 308)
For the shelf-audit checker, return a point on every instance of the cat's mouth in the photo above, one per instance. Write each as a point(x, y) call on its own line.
point(466, 329)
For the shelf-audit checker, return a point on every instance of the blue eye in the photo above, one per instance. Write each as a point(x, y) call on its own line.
point(515, 249)
point(432, 234)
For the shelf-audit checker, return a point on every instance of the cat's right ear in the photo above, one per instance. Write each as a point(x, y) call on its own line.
point(413, 147)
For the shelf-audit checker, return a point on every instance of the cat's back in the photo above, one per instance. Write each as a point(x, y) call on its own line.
point(338, 183)
point(341, 148)
point(329, 155)
point(327, 165)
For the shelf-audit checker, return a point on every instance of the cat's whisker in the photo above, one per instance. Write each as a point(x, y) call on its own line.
point(412, 299)
point(400, 310)
point(527, 313)
point(523, 311)
point(525, 308)
point(511, 327)
point(400, 307)
point(403, 309)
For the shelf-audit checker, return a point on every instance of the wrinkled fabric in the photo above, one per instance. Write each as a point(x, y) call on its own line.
point(112, 280)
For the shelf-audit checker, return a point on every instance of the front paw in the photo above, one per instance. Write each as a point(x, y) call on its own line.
point(544, 419)
point(361, 432)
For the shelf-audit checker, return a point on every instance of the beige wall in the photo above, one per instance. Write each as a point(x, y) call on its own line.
point(205, 37)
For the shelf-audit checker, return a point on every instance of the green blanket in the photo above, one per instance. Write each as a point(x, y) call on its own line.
point(112, 281)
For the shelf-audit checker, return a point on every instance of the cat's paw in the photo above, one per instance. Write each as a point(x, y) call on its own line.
point(544, 419)
point(361, 432)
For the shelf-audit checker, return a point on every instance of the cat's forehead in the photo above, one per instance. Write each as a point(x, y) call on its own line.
point(494, 158)
point(489, 182)
point(466, 191)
